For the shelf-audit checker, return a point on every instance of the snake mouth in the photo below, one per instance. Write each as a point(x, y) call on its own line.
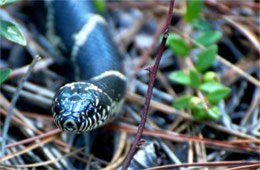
point(69, 122)
point(77, 120)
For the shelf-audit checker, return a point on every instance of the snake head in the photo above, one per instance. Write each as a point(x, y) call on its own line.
point(74, 108)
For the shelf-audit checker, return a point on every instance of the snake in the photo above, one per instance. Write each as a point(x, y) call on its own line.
point(96, 94)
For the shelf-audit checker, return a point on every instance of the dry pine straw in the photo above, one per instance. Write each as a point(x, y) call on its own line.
point(239, 141)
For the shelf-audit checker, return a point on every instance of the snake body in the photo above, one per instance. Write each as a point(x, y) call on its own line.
point(78, 32)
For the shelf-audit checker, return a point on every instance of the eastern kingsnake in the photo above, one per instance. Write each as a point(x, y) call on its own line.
point(80, 33)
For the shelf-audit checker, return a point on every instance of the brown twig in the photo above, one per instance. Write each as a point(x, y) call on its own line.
point(220, 7)
point(207, 164)
point(146, 53)
point(14, 100)
point(28, 148)
point(257, 165)
point(34, 138)
point(152, 76)
point(52, 161)
point(183, 138)
point(235, 4)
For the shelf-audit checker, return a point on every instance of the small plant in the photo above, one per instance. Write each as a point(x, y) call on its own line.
point(206, 82)
point(9, 30)
point(100, 5)
point(4, 74)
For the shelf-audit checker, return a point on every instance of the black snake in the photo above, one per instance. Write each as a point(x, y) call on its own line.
point(78, 32)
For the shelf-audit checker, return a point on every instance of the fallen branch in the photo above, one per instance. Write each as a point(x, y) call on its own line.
point(153, 70)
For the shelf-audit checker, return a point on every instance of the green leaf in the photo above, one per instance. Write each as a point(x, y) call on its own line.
point(206, 58)
point(2, 2)
point(201, 24)
point(7, 2)
point(216, 96)
point(178, 44)
point(182, 102)
point(100, 5)
point(12, 1)
point(4, 74)
point(211, 86)
point(180, 77)
point(194, 79)
point(11, 32)
point(209, 37)
point(213, 113)
point(193, 9)
point(199, 113)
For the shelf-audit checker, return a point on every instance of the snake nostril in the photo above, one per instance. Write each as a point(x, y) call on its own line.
point(70, 125)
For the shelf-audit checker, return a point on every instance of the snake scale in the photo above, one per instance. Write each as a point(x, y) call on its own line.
point(81, 35)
